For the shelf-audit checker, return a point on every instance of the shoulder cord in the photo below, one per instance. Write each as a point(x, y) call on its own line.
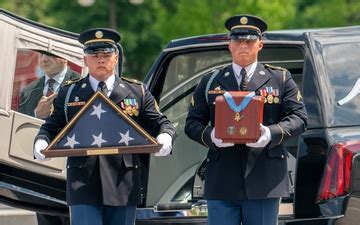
point(67, 101)
point(209, 84)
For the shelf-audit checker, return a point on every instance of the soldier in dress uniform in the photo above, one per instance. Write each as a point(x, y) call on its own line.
point(105, 189)
point(244, 182)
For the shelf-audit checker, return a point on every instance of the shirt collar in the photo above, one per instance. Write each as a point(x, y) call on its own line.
point(250, 69)
point(58, 77)
point(109, 82)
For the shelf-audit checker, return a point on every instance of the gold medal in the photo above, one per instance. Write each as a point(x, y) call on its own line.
point(276, 100)
point(135, 111)
point(243, 131)
point(238, 117)
point(270, 99)
point(129, 111)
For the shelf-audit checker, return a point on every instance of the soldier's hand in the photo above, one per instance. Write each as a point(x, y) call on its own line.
point(39, 146)
point(218, 142)
point(264, 139)
point(44, 106)
point(166, 140)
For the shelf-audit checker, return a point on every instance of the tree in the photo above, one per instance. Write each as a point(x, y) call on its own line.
point(187, 17)
point(331, 13)
point(146, 28)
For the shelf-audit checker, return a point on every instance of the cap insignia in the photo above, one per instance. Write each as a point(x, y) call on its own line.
point(243, 20)
point(99, 34)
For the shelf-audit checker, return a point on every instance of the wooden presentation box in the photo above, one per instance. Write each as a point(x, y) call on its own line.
point(238, 127)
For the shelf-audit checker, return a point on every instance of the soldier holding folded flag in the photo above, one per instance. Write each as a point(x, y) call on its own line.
point(104, 189)
point(244, 182)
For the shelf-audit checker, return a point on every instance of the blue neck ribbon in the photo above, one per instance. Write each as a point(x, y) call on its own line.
point(238, 108)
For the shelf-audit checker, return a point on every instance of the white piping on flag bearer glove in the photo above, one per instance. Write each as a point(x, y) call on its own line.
point(218, 142)
point(166, 140)
point(39, 146)
point(264, 139)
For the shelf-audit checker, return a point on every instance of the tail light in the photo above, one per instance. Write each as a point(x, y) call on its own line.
point(336, 179)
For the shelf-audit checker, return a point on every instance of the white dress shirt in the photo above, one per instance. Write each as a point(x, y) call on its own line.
point(109, 83)
point(59, 78)
point(250, 69)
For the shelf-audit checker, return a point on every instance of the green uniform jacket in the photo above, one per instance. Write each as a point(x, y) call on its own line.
point(31, 94)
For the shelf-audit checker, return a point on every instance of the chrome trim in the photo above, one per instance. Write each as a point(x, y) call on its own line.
point(282, 42)
point(26, 191)
point(4, 113)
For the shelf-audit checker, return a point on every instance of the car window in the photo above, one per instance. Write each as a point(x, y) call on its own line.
point(190, 67)
point(28, 73)
point(341, 86)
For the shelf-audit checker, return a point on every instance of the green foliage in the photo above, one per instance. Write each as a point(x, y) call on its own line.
point(330, 13)
point(188, 17)
point(146, 28)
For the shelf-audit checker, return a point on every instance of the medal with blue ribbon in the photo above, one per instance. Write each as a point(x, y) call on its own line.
point(238, 108)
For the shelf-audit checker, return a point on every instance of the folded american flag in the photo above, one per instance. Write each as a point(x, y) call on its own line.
point(102, 126)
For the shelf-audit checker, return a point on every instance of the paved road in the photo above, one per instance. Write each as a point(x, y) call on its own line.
point(12, 216)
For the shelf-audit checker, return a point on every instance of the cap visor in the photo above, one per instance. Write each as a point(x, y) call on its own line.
point(99, 47)
point(244, 37)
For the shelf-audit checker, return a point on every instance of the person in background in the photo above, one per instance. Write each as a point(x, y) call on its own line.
point(36, 99)
point(244, 182)
point(104, 189)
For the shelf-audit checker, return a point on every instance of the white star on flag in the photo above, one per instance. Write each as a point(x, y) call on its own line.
point(71, 141)
point(97, 111)
point(98, 140)
point(125, 138)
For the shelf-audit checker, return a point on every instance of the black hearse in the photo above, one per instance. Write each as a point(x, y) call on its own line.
point(324, 164)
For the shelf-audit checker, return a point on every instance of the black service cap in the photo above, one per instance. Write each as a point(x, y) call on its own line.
point(99, 40)
point(245, 27)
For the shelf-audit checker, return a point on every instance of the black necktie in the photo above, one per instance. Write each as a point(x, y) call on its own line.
point(102, 87)
point(243, 82)
point(50, 89)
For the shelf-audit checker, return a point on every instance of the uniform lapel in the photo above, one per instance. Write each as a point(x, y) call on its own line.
point(119, 92)
point(259, 78)
point(85, 91)
point(227, 79)
point(37, 92)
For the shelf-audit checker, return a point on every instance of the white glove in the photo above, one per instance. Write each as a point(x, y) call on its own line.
point(264, 139)
point(40, 145)
point(166, 140)
point(218, 142)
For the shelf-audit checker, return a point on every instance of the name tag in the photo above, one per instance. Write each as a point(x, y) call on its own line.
point(76, 103)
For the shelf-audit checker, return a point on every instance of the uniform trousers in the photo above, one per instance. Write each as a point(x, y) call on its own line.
point(247, 212)
point(102, 215)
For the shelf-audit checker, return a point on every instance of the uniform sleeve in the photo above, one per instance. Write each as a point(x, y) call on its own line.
point(153, 118)
point(56, 121)
point(197, 125)
point(294, 119)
